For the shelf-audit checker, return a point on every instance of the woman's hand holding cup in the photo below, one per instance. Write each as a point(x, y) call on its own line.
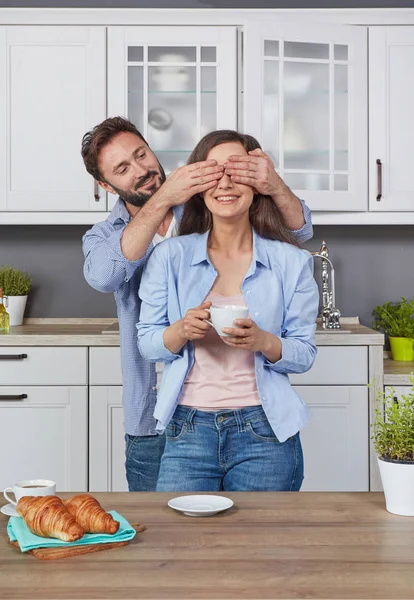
point(247, 336)
point(195, 323)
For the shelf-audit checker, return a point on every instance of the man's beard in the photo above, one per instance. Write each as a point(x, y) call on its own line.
point(139, 198)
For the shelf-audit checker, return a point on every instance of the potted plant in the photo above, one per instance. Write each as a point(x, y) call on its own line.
point(393, 438)
point(396, 319)
point(16, 286)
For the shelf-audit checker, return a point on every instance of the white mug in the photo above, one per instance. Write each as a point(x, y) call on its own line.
point(30, 487)
point(224, 316)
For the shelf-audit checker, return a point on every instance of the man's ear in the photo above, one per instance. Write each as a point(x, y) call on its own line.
point(105, 186)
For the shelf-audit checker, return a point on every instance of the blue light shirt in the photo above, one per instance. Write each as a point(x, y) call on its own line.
point(107, 270)
point(281, 295)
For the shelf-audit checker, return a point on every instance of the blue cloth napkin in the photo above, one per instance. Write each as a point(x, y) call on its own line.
point(18, 530)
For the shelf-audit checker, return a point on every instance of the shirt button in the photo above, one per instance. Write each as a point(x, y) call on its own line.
point(263, 399)
point(258, 370)
point(154, 387)
point(248, 292)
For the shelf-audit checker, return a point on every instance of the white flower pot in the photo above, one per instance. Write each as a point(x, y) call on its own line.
point(398, 483)
point(15, 308)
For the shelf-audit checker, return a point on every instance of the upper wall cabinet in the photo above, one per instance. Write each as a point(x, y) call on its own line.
point(391, 123)
point(52, 90)
point(305, 99)
point(174, 83)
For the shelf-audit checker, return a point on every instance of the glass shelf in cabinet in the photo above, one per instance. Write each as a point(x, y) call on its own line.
point(173, 92)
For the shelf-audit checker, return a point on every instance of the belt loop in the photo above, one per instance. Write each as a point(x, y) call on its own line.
point(238, 414)
point(189, 420)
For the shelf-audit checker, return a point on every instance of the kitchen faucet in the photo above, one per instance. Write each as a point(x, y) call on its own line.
point(330, 314)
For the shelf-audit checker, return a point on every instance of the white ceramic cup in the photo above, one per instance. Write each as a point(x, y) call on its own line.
point(224, 316)
point(30, 487)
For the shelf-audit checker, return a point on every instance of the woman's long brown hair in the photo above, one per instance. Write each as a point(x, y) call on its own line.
point(264, 215)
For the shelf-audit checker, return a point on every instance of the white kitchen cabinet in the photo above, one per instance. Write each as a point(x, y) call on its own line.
point(52, 90)
point(174, 83)
point(106, 440)
point(106, 429)
point(336, 441)
point(305, 100)
point(44, 415)
point(391, 125)
point(43, 434)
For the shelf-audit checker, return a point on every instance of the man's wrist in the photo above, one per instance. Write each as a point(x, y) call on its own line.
point(283, 195)
point(160, 201)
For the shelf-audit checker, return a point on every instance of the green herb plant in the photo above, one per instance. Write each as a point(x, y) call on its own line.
point(393, 427)
point(395, 318)
point(14, 282)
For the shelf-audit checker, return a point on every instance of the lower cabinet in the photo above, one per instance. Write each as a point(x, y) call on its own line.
point(106, 440)
point(336, 441)
point(44, 429)
point(44, 435)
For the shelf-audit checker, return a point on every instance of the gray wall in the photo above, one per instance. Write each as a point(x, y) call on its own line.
point(208, 3)
point(373, 264)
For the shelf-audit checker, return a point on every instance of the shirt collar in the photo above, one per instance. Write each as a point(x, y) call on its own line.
point(200, 252)
point(119, 213)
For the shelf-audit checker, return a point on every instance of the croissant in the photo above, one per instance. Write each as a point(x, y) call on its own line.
point(90, 515)
point(47, 516)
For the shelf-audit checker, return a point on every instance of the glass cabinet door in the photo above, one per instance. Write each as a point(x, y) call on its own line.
point(305, 100)
point(174, 83)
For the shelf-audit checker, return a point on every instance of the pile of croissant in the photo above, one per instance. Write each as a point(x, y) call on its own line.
point(67, 520)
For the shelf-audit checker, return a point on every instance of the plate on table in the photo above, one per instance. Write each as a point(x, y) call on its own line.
point(9, 510)
point(200, 506)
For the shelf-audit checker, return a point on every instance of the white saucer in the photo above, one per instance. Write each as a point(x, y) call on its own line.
point(9, 510)
point(200, 506)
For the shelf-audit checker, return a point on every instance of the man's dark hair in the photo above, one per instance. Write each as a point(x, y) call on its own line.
point(95, 139)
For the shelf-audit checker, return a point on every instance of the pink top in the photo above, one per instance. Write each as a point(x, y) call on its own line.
point(222, 376)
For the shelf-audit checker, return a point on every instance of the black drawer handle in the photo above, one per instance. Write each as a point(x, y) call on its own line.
point(18, 397)
point(379, 180)
point(12, 356)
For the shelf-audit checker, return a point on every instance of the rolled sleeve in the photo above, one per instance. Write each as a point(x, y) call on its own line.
point(105, 267)
point(151, 345)
point(305, 233)
point(298, 332)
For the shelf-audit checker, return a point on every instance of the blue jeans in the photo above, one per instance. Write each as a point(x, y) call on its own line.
point(228, 450)
point(143, 456)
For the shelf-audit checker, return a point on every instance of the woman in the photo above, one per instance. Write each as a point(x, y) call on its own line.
point(232, 418)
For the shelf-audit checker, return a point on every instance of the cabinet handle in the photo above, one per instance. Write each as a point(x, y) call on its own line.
point(12, 356)
point(96, 191)
point(18, 397)
point(379, 180)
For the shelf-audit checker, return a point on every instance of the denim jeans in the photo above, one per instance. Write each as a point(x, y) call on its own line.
point(143, 456)
point(228, 450)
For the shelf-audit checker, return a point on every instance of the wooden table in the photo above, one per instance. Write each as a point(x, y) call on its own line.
point(269, 545)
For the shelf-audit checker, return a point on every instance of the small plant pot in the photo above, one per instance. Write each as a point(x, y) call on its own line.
point(15, 307)
point(398, 484)
point(402, 349)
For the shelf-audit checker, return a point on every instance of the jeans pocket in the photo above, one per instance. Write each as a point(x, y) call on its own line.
point(175, 430)
point(130, 443)
point(261, 430)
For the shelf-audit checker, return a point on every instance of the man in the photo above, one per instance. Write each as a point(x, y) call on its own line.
point(148, 209)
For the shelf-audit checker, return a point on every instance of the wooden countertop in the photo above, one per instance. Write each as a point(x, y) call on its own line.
point(104, 332)
point(269, 545)
point(397, 372)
